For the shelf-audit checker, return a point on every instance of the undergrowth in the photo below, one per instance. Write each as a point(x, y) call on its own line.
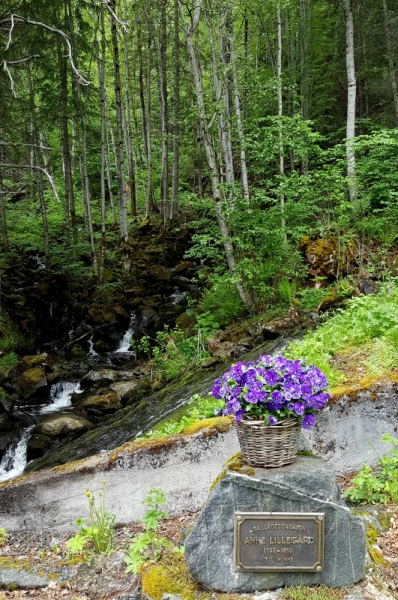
point(371, 320)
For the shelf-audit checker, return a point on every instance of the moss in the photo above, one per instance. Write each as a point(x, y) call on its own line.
point(352, 391)
point(305, 453)
point(11, 587)
point(303, 592)
point(235, 464)
point(376, 556)
point(168, 576)
point(221, 424)
point(53, 575)
point(18, 564)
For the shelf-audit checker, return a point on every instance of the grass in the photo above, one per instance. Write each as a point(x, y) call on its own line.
point(301, 592)
point(368, 322)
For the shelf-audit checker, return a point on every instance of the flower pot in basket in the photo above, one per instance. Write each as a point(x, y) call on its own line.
point(268, 446)
point(271, 399)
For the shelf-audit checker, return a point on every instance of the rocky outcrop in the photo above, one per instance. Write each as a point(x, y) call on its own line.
point(100, 404)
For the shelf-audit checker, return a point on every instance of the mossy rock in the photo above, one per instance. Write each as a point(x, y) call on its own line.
point(78, 352)
point(37, 360)
point(31, 381)
point(235, 464)
point(168, 576)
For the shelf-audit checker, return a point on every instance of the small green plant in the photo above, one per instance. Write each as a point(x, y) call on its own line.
point(8, 362)
point(378, 485)
point(42, 553)
point(99, 535)
point(3, 537)
point(148, 545)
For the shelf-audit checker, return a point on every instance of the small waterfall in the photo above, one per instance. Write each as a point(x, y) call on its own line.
point(14, 460)
point(177, 296)
point(92, 353)
point(60, 395)
point(124, 345)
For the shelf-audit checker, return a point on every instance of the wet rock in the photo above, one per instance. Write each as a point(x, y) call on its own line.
point(221, 349)
point(31, 381)
point(103, 403)
point(160, 273)
point(62, 424)
point(38, 360)
point(328, 301)
point(367, 287)
point(180, 280)
point(124, 389)
point(135, 302)
point(105, 579)
point(147, 316)
point(4, 422)
point(182, 266)
point(101, 377)
point(38, 445)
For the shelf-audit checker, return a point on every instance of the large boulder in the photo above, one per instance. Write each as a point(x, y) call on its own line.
point(124, 390)
point(307, 486)
point(62, 424)
point(32, 380)
point(147, 316)
point(104, 377)
point(38, 445)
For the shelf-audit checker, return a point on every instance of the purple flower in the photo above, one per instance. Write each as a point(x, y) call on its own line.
point(299, 408)
point(271, 377)
point(267, 360)
point(239, 415)
point(272, 420)
point(308, 421)
point(252, 396)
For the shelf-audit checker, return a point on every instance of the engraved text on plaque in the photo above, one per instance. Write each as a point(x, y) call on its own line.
point(278, 541)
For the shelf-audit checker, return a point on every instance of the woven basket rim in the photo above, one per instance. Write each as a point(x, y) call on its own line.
point(289, 422)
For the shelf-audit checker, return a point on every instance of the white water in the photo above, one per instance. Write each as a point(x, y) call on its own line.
point(124, 345)
point(60, 395)
point(177, 296)
point(14, 460)
point(92, 353)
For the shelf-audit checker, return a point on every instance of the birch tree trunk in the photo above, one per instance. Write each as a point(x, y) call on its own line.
point(391, 65)
point(210, 156)
point(119, 157)
point(351, 99)
point(176, 111)
point(101, 79)
point(280, 114)
point(4, 232)
point(162, 46)
point(150, 204)
point(241, 136)
point(127, 126)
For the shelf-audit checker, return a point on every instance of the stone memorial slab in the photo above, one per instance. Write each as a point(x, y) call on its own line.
point(306, 487)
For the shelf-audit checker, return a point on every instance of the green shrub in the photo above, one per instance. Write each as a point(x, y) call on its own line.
point(222, 301)
point(8, 362)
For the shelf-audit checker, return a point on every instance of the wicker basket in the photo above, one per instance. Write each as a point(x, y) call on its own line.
point(268, 446)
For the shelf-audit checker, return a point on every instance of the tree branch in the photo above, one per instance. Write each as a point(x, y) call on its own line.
point(46, 173)
point(28, 145)
point(17, 19)
point(122, 24)
point(7, 70)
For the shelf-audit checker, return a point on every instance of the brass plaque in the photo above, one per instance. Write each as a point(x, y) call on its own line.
point(279, 541)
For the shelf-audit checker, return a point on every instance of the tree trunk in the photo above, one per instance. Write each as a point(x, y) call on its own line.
point(211, 161)
point(176, 111)
point(101, 79)
point(150, 204)
point(122, 201)
point(280, 114)
point(4, 233)
point(351, 99)
point(162, 47)
point(243, 166)
point(391, 65)
point(127, 128)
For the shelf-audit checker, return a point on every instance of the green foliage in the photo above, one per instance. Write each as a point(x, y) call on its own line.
point(310, 298)
point(378, 485)
point(197, 408)
point(8, 362)
point(221, 303)
point(99, 533)
point(3, 537)
point(148, 545)
point(285, 290)
point(364, 318)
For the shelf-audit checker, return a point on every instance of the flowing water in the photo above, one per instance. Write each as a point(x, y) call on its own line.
point(60, 396)
point(124, 346)
point(14, 460)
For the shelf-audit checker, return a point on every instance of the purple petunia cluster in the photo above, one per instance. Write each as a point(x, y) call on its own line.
point(273, 389)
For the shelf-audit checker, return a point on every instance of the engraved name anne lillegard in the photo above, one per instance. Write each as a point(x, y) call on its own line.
point(274, 541)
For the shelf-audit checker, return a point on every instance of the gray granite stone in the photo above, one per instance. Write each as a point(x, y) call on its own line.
point(306, 486)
